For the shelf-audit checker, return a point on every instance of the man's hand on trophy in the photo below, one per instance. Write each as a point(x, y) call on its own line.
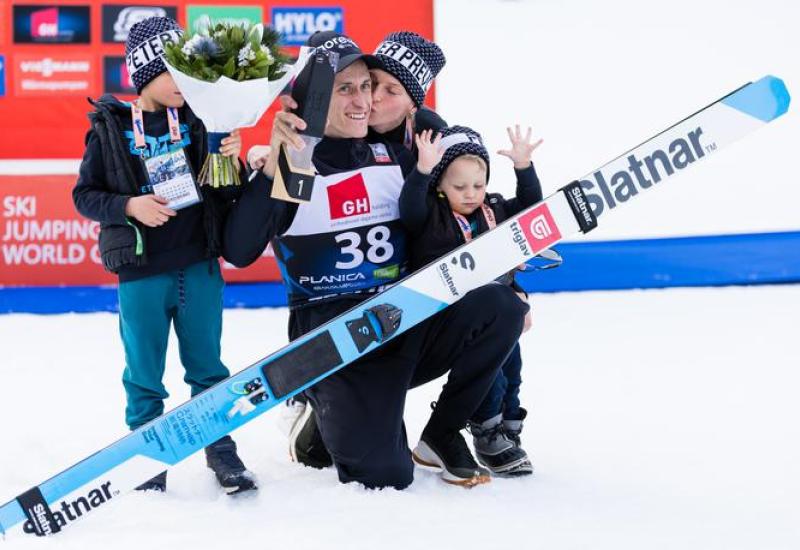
point(284, 131)
point(257, 156)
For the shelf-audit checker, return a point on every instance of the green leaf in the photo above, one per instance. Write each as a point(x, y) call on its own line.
point(229, 68)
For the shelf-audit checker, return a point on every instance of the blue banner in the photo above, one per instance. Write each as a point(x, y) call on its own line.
point(297, 24)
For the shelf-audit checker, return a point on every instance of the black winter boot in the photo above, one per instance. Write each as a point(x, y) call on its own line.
point(221, 457)
point(497, 451)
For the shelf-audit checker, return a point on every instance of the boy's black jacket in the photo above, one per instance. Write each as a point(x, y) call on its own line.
point(434, 230)
point(110, 175)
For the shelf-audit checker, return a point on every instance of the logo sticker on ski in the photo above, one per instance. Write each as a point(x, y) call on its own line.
point(540, 228)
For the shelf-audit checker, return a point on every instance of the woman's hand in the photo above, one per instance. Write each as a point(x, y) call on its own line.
point(429, 152)
point(521, 147)
point(231, 146)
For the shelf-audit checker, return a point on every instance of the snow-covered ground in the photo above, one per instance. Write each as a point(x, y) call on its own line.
point(660, 420)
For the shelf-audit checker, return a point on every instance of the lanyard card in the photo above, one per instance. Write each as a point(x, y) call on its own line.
point(171, 177)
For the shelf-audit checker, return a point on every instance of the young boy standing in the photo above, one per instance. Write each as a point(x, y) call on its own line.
point(160, 233)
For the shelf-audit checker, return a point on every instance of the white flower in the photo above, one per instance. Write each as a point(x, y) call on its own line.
point(246, 55)
point(266, 52)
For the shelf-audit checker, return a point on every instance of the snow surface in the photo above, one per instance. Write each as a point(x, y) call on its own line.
point(660, 419)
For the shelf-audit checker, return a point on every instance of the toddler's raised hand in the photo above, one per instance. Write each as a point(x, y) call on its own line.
point(429, 152)
point(521, 147)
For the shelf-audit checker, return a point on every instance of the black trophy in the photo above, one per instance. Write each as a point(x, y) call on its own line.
point(312, 90)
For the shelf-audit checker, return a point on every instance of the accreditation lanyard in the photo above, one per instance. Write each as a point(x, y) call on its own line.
point(137, 121)
point(463, 223)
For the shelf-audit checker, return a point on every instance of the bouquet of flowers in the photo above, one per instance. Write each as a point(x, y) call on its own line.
point(229, 74)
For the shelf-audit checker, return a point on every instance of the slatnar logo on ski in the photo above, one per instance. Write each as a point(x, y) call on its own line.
point(447, 278)
point(66, 512)
point(643, 173)
point(465, 260)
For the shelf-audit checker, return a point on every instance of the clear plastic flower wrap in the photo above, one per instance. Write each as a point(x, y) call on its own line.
point(229, 75)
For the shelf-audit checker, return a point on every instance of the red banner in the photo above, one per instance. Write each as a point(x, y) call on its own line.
point(54, 55)
point(45, 242)
point(45, 48)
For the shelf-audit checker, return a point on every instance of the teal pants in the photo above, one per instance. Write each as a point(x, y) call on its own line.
point(189, 298)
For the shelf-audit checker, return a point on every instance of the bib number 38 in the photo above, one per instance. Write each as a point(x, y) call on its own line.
point(378, 247)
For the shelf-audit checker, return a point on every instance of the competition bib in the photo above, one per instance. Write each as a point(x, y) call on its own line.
point(348, 238)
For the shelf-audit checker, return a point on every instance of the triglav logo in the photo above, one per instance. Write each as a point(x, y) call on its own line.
point(51, 24)
point(349, 197)
point(539, 228)
point(641, 174)
point(118, 19)
point(298, 24)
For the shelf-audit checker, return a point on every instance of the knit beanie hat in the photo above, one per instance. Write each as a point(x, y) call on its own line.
point(348, 50)
point(458, 141)
point(144, 49)
point(413, 60)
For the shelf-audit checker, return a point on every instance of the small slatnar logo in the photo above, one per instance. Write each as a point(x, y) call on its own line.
point(540, 228)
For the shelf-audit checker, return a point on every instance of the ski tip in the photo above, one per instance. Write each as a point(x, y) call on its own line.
point(765, 99)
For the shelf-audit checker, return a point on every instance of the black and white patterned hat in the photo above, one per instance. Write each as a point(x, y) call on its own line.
point(144, 49)
point(413, 60)
point(458, 141)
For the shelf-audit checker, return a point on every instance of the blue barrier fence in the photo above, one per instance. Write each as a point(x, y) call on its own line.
point(759, 258)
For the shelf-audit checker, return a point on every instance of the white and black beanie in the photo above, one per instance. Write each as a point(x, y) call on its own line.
point(458, 141)
point(413, 60)
point(144, 49)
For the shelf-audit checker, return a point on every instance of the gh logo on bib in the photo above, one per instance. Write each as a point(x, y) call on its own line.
point(348, 198)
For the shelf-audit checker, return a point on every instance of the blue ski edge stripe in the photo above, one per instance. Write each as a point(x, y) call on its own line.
point(765, 99)
point(753, 258)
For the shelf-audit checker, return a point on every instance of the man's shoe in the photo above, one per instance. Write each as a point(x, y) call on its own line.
point(305, 441)
point(450, 454)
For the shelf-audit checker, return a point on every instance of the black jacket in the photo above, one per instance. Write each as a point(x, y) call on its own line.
point(257, 218)
point(111, 173)
point(430, 222)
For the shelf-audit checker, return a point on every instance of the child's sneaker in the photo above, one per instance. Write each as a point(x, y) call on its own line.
point(158, 483)
point(497, 451)
point(451, 455)
point(231, 474)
